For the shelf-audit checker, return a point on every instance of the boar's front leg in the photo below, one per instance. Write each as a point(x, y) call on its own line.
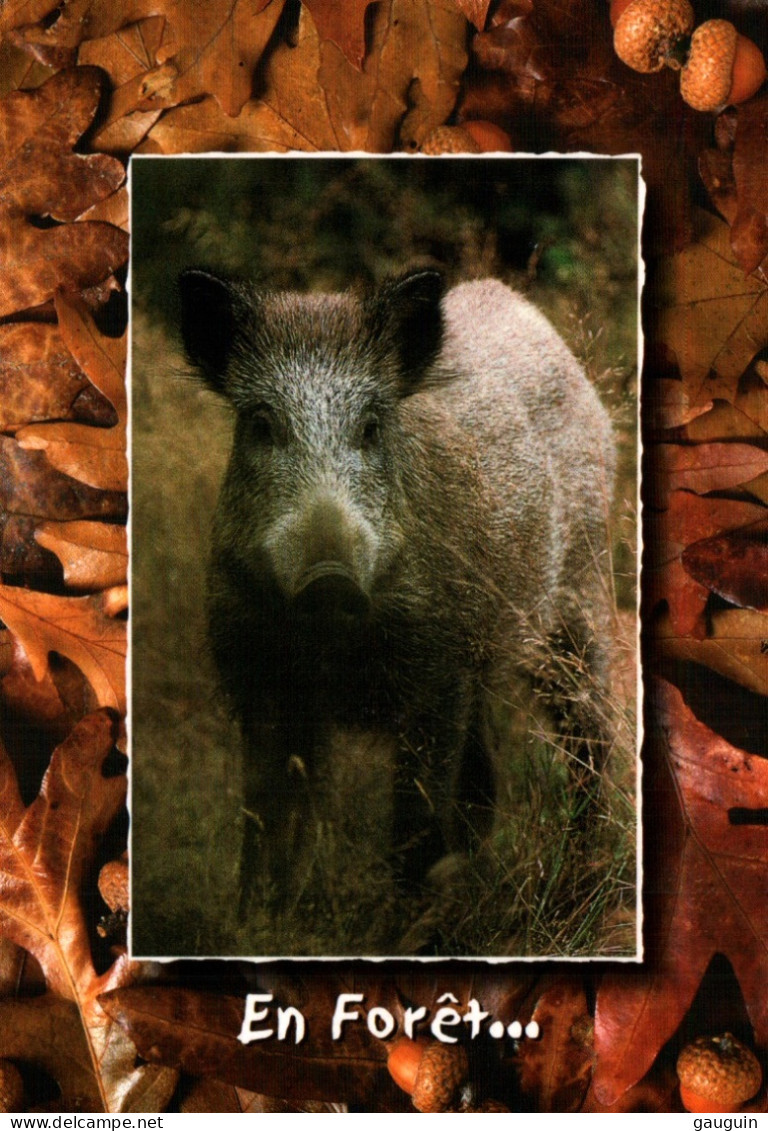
point(276, 813)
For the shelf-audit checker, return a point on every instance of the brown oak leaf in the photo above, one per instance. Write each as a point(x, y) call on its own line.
point(736, 176)
point(45, 850)
point(702, 468)
point(94, 455)
point(705, 893)
point(94, 555)
point(733, 647)
point(555, 1069)
point(733, 565)
point(197, 1032)
point(213, 48)
point(31, 490)
point(41, 176)
point(689, 520)
point(314, 99)
point(76, 627)
point(40, 380)
point(711, 315)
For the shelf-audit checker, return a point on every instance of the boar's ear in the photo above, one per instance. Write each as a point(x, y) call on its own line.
point(407, 315)
point(207, 323)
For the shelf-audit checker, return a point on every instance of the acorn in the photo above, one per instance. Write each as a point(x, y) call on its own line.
point(113, 884)
point(449, 139)
point(488, 136)
point(723, 67)
point(717, 1074)
point(648, 33)
point(431, 1072)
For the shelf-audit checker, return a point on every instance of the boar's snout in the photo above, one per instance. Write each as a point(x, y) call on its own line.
point(332, 588)
point(324, 556)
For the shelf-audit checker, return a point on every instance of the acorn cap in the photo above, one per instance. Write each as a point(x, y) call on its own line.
point(705, 80)
point(449, 139)
point(648, 31)
point(720, 1070)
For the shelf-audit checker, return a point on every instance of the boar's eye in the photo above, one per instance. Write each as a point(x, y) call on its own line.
point(371, 433)
point(261, 426)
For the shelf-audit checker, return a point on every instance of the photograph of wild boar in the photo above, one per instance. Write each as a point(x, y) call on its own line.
point(383, 524)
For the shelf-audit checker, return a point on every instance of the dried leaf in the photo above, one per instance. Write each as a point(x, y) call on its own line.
point(711, 315)
point(734, 647)
point(94, 555)
point(736, 176)
point(343, 25)
point(39, 379)
point(705, 893)
point(555, 1069)
point(93, 455)
point(31, 490)
point(667, 404)
point(703, 468)
point(212, 48)
point(197, 1032)
point(688, 520)
point(48, 1031)
point(77, 628)
point(40, 176)
point(733, 565)
point(314, 99)
point(44, 853)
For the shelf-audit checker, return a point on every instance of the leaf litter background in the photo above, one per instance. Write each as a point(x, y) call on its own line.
point(84, 85)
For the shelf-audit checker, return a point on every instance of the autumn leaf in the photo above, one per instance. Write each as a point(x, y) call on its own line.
point(736, 176)
point(667, 404)
point(315, 99)
point(45, 850)
point(703, 468)
point(94, 455)
point(197, 1032)
point(30, 491)
point(712, 315)
point(705, 893)
point(555, 1070)
point(213, 48)
point(41, 176)
point(39, 378)
point(733, 646)
point(78, 628)
point(689, 520)
point(94, 555)
point(733, 565)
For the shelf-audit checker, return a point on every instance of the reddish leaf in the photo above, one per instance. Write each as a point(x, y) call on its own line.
point(705, 467)
point(711, 316)
point(749, 231)
point(197, 1032)
point(688, 519)
point(705, 893)
point(732, 646)
point(555, 1069)
point(342, 24)
point(733, 565)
